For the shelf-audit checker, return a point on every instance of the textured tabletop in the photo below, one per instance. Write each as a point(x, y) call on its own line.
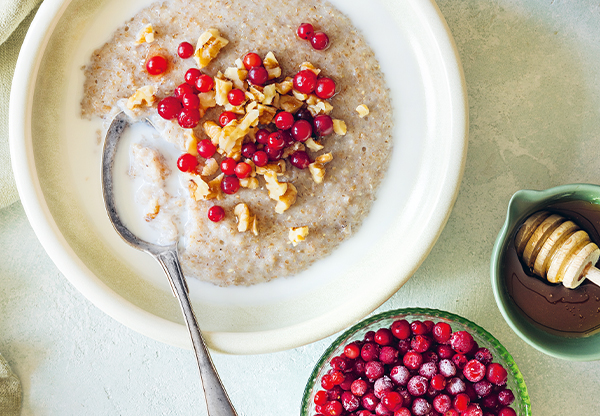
point(533, 76)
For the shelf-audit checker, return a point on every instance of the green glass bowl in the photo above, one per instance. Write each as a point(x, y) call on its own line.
point(515, 382)
point(522, 204)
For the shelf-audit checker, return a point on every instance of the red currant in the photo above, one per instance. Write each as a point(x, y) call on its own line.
point(216, 213)
point(206, 149)
point(185, 50)
point(169, 108)
point(189, 118)
point(187, 162)
point(236, 97)
point(226, 117)
point(190, 100)
point(205, 83)
point(243, 170)
point(260, 158)
point(228, 166)
point(230, 184)
point(252, 60)
point(300, 160)
point(262, 136)
point(301, 130)
point(305, 81)
point(275, 141)
point(284, 120)
point(258, 75)
point(319, 41)
point(401, 329)
point(248, 150)
point(192, 75)
point(325, 88)
point(156, 65)
point(274, 154)
point(323, 125)
point(182, 89)
point(305, 31)
point(351, 351)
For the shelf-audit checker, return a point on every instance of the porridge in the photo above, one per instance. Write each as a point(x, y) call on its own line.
point(282, 160)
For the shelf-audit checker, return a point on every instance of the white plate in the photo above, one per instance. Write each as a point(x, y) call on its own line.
point(56, 161)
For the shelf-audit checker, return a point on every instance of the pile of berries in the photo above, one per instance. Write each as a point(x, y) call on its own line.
point(418, 368)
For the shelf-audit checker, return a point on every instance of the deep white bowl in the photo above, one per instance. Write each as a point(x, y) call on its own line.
point(56, 161)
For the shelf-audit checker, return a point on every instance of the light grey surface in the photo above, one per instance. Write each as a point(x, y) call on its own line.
point(533, 75)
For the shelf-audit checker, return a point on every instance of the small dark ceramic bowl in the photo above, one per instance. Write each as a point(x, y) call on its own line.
point(522, 205)
point(515, 382)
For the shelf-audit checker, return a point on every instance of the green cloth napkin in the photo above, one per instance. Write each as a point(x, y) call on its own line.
point(15, 18)
point(10, 391)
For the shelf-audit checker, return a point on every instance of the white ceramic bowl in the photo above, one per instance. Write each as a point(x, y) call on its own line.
point(56, 161)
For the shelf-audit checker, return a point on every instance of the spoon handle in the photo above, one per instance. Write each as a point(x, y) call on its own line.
point(217, 401)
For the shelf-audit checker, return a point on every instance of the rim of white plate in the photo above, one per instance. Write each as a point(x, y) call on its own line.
point(142, 321)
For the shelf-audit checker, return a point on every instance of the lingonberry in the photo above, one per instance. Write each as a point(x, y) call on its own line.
point(304, 114)
point(248, 150)
point(185, 50)
point(325, 88)
point(349, 378)
point(428, 370)
point(284, 120)
point(484, 356)
point(157, 65)
point(421, 407)
point(404, 346)
point(276, 141)
point(183, 89)
point(507, 411)
point(455, 386)
point(374, 370)
point(430, 357)
point(369, 401)
point(420, 343)
point(496, 374)
point(169, 108)
point(287, 137)
point(226, 117)
point(506, 397)
point(236, 97)
point(474, 371)
point(438, 382)
point(206, 149)
point(337, 377)
point(401, 329)
point(319, 41)
point(301, 160)
point(382, 385)
point(334, 408)
point(351, 350)
point(392, 401)
point(189, 118)
point(452, 412)
point(400, 375)
point(490, 401)
point(461, 342)
point(403, 411)
point(447, 368)
point(334, 393)
point(262, 136)
point(461, 402)
point(274, 154)
point(388, 355)
point(216, 213)
point(442, 403)
point(323, 125)
point(418, 328)
point(190, 100)
point(260, 158)
point(417, 385)
point(369, 351)
point(350, 401)
point(252, 60)
point(459, 361)
point(482, 388)
point(305, 81)
point(383, 336)
point(473, 410)
point(187, 162)
point(228, 166)
point(192, 75)
point(369, 336)
point(359, 387)
point(243, 170)
point(301, 130)
point(441, 332)
point(230, 184)
point(320, 397)
point(305, 31)
point(445, 351)
point(412, 360)
point(258, 75)
point(205, 83)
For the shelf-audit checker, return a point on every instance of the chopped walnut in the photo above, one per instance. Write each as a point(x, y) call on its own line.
point(145, 95)
point(250, 183)
point(267, 113)
point(208, 46)
point(310, 67)
point(297, 234)
point(270, 92)
point(210, 167)
point(254, 225)
point(242, 212)
point(339, 127)
point(318, 106)
point(222, 88)
point(313, 145)
point(237, 76)
point(215, 188)
point(299, 95)
point(290, 104)
point(287, 199)
point(201, 190)
point(272, 66)
point(317, 168)
point(207, 99)
point(212, 130)
point(362, 110)
point(276, 189)
point(146, 35)
point(278, 168)
point(297, 146)
point(191, 142)
point(285, 86)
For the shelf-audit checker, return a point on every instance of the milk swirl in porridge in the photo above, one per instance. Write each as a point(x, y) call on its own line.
point(274, 171)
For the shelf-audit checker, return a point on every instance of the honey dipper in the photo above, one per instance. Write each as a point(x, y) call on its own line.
point(557, 250)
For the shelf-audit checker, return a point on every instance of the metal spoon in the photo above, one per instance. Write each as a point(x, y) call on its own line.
point(217, 401)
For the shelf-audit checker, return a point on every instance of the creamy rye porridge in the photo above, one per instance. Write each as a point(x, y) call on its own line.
point(311, 195)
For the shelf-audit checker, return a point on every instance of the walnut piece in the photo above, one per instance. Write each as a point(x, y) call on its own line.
point(339, 127)
point(210, 167)
point(272, 66)
point(317, 168)
point(297, 234)
point(287, 199)
point(313, 145)
point(208, 47)
point(146, 35)
point(362, 110)
point(144, 95)
point(191, 142)
point(242, 212)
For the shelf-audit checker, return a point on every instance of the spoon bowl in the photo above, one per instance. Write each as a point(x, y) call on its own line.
point(217, 400)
